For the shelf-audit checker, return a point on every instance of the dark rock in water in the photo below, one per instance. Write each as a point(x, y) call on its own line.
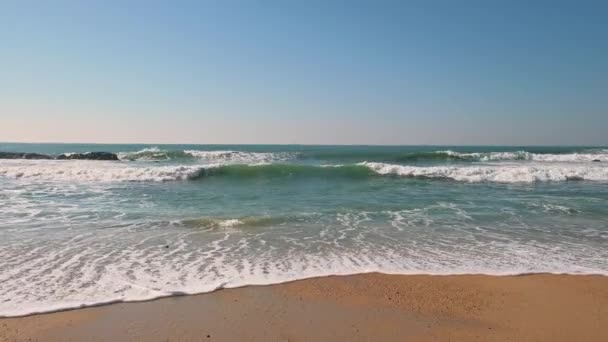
point(36, 156)
point(21, 155)
point(596, 160)
point(90, 156)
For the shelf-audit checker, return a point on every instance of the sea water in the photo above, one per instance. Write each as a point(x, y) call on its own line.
point(180, 219)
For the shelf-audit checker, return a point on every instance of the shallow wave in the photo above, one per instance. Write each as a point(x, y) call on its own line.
point(145, 294)
point(49, 270)
point(227, 223)
point(500, 173)
point(109, 266)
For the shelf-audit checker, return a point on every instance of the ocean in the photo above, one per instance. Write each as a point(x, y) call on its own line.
point(182, 219)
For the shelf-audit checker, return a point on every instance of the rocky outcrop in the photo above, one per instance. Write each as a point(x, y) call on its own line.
point(90, 156)
point(65, 156)
point(21, 155)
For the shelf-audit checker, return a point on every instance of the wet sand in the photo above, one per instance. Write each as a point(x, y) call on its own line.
point(368, 307)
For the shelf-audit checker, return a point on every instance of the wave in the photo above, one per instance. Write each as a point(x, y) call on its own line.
point(111, 266)
point(396, 155)
point(497, 173)
point(145, 294)
point(96, 171)
point(474, 173)
point(523, 155)
point(156, 154)
point(117, 172)
point(152, 154)
point(227, 223)
point(289, 170)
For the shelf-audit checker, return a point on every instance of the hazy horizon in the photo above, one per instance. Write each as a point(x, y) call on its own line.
point(337, 73)
point(155, 144)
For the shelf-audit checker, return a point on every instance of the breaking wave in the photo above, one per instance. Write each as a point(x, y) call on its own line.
point(156, 154)
point(498, 173)
point(438, 156)
point(243, 157)
point(523, 155)
point(96, 171)
point(116, 172)
point(474, 173)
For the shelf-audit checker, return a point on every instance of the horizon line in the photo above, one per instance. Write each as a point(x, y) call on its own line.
point(297, 144)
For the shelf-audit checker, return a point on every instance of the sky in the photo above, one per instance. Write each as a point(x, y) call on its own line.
point(305, 72)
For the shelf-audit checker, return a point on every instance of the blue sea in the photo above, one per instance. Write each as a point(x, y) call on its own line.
point(182, 219)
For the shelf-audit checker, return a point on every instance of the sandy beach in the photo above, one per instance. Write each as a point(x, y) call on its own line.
point(303, 171)
point(368, 307)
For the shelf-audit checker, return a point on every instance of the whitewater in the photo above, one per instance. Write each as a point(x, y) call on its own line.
point(182, 219)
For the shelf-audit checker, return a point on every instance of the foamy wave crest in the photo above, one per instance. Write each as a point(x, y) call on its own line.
point(95, 171)
point(241, 157)
point(117, 172)
point(500, 173)
point(151, 153)
point(572, 157)
point(524, 155)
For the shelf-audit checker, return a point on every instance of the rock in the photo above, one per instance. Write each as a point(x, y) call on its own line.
point(21, 155)
point(90, 156)
point(87, 156)
point(596, 160)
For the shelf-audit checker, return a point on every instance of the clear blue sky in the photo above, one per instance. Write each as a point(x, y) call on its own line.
point(326, 72)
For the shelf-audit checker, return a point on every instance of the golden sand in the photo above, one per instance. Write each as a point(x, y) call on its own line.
point(368, 307)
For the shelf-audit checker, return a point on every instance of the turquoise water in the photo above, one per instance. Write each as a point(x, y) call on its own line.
point(173, 219)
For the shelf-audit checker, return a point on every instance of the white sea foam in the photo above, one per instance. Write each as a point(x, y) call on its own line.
point(101, 171)
point(104, 171)
point(230, 223)
point(498, 172)
point(240, 157)
point(150, 153)
point(156, 154)
point(108, 265)
point(524, 155)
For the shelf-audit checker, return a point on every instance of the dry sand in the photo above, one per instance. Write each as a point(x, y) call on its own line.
point(369, 307)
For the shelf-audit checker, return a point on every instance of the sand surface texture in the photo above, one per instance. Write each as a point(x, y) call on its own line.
point(368, 307)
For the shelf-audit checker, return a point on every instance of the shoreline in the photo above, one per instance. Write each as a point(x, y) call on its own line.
point(346, 307)
point(220, 288)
